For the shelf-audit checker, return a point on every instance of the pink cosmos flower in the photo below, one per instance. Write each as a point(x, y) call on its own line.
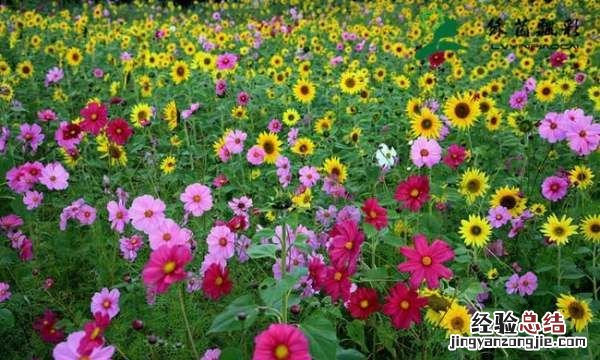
point(211, 354)
point(196, 199)
point(86, 214)
point(146, 212)
point(68, 350)
point(498, 216)
point(31, 135)
point(256, 155)
point(54, 176)
point(234, 141)
point(165, 267)
point(518, 99)
point(583, 135)
point(117, 215)
point(221, 242)
point(275, 126)
point(240, 206)
point(426, 262)
point(550, 128)
point(281, 341)
point(169, 233)
point(53, 76)
point(46, 115)
point(130, 246)
point(210, 259)
point(10, 222)
point(226, 61)
point(4, 136)
point(555, 188)
point(309, 176)
point(4, 292)
point(220, 87)
point(33, 199)
point(106, 302)
point(425, 152)
point(68, 135)
point(243, 98)
point(95, 117)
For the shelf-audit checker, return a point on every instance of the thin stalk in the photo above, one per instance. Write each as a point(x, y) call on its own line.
point(283, 271)
point(187, 323)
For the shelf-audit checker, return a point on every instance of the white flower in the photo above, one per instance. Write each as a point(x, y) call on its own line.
point(386, 157)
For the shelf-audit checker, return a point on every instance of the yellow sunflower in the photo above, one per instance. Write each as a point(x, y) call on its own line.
point(271, 145)
point(559, 230)
point(291, 117)
point(303, 146)
point(334, 168)
point(25, 69)
point(462, 111)
point(141, 115)
point(510, 198)
point(168, 164)
point(590, 228)
point(457, 320)
point(473, 184)
point(170, 114)
point(426, 124)
point(304, 91)
point(180, 72)
point(581, 176)
point(493, 119)
point(545, 91)
point(350, 83)
point(74, 57)
point(475, 231)
point(576, 310)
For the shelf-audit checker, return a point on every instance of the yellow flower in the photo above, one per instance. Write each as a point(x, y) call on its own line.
point(475, 231)
point(170, 114)
point(426, 124)
point(510, 198)
point(291, 117)
point(590, 228)
point(538, 209)
point(473, 184)
point(462, 111)
point(457, 320)
point(74, 56)
point(303, 146)
point(141, 115)
point(304, 91)
point(334, 168)
point(168, 164)
point(271, 145)
point(303, 200)
point(180, 72)
point(581, 176)
point(576, 310)
point(545, 91)
point(25, 69)
point(559, 230)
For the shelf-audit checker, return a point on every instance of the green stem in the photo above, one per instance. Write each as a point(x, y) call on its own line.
point(595, 286)
point(187, 323)
point(558, 267)
point(283, 271)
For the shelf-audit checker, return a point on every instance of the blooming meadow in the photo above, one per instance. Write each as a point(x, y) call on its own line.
point(295, 180)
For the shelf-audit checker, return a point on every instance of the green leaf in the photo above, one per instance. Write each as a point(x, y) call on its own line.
point(262, 251)
point(348, 354)
point(321, 335)
point(7, 319)
point(231, 353)
point(263, 233)
point(356, 332)
point(272, 292)
point(228, 319)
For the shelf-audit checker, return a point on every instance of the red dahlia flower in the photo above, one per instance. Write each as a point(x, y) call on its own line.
point(413, 193)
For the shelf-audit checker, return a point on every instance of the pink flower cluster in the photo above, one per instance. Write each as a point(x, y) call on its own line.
point(580, 131)
point(78, 210)
point(23, 178)
point(10, 226)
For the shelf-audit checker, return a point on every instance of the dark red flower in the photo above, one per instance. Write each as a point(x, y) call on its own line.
point(46, 327)
point(118, 131)
point(558, 58)
point(316, 271)
point(403, 306)
point(455, 156)
point(237, 223)
point(94, 333)
point(71, 131)
point(413, 192)
point(95, 117)
point(436, 59)
point(375, 214)
point(216, 282)
point(363, 302)
point(336, 283)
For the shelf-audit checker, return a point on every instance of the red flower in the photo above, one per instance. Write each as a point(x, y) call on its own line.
point(94, 333)
point(95, 116)
point(375, 214)
point(455, 156)
point(317, 271)
point(46, 327)
point(436, 59)
point(166, 266)
point(336, 283)
point(345, 243)
point(413, 193)
point(237, 223)
point(281, 342)
point(426, 262)
point(403, 306)
point(558, 58)
point(216, 282)
point(118, 131)
point(363, 302)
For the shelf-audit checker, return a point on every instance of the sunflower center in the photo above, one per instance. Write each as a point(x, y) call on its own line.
point(475, 230)
point(457, 323)
point(426, 260)
point(462, 110)
point(576, 310)
point(473, 185)
point(404, 305)
point(546, 91)
point(281, 352)
point(169, 267)
point(268, 147)
point(484, 107)
point(426, 124)
point(180, 71)
point(304, 90)
point(350, 83)
point(595, 228)
point(508, 201)
point(559, 231)
point(364, 304)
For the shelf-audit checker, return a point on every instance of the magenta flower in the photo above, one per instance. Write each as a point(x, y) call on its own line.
point(220, 87)
point(550, 128)
point(583, 135)
point(196, 199)
point(4, 292)
point(4, 136)
point(256, 155)
point(68, 350)
point(281, 341)
point(117, 215)
point(558, 58)
point(234, 141)
point(31, 135)
point(53, 76)
point(33, 199)
point(221, 242)
point(498, 216)
point(55, 177)
point(512, 284)
point(425, 152)
point(211, 354)
point(309, 176)
point(243, 98)
point(240, 206)
point(146, 212)
point(527, 284)
point(518, 100)
point(68, 135)
point(165, 267)
point(46, 115)
point(86, 214)
point(226, 61)
point(425, 262)
point(555, 188)
point(275, 126)
point(130, 246)
point(169, 233)
point(106, 302)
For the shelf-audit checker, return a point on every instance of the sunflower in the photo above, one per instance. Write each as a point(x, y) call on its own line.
point(413, 107)
point(291, 117)
point(349, 83)
point(493, 119)
point(303, 199)
point(590, 228)
point(276, 61)
point(141, 114)
point(180, 72)
point(437, 305)
point(475, 231)
point(70, 157)
point(545, 91)
point(379, 74)
point(304, 91)
point(402, 82)
point(271, 145)
point(239, 112)
point(510, 198)
point(457, 320)
point(323, 125)
point(74, 57)
point(116, 153)
point(461, 110)
point(6, 92)
point(426, 124)
point(581, 176)
point(279, 78)
point(334, 168)
point(204, 61)
point(354, 135)
point(578, 311)
point(25, 69)
point(168, 164)
point(559, 230)
point(566, 87)
point(486, 105)
point(594, 93)
point(427, 82)
point(303, 146)
point(473, 184)
point(170, 114)
point(538, 209)
point(4, 68)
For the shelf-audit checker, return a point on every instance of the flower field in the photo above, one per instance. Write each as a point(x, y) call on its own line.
point(291, 180)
